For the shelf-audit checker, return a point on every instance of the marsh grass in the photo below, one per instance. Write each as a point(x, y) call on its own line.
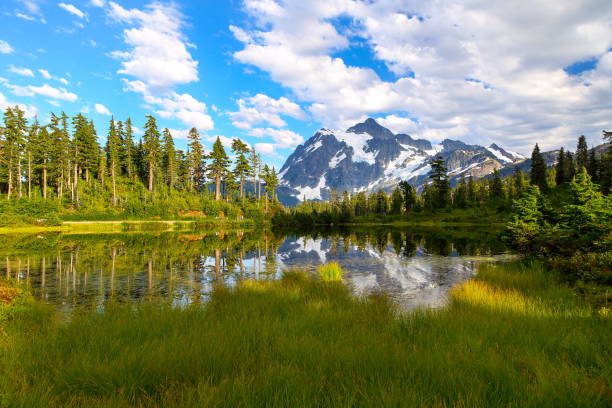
point(330, 272)
point(510, 337)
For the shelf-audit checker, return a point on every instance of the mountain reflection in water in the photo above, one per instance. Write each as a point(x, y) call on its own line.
point(416, 267)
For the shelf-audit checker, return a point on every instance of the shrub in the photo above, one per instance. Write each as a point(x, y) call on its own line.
point(330, 272)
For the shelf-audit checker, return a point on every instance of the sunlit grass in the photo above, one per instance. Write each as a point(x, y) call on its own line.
point(508, 338)
point(330, 271)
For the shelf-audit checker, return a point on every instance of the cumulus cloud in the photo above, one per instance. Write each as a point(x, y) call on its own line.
point(21, 71)
point(158, 61)
point(283, 138)
point(70, 8)
point(98, 3)
point(43, 90)
point(5, 48)
point(481, 71)
point(102, 110)
point(30, 110)
point(261, 108)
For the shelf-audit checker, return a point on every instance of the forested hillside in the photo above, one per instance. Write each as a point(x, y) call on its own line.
point(61, 167)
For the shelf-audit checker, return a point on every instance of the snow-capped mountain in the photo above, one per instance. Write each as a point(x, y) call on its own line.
point(368, 156)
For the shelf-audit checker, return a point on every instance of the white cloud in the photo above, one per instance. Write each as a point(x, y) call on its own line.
point(30, 110)
point(517, 92)
point(261, 108)
point(98, 3)
point(85, 110)
point(159, 61)
point(265, 148)
point(5, 48)
point(101, 109)
point(21, 71)
point(72, 10)
point(283, 138)
point(45, 73)
point(44, 90)
point(178, 133)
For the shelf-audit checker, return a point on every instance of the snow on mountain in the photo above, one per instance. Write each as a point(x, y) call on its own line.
point(368, 157)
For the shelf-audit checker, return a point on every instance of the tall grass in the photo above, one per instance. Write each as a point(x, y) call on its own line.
point(511, 337)
point(330, 271)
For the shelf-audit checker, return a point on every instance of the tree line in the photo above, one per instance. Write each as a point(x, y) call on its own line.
point(63, 160)
point(437, 194)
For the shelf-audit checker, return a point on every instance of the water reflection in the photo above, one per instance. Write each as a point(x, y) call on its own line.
point(415, 267)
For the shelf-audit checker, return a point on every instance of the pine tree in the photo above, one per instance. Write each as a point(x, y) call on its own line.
point(169, 166)
point(593, 167)
point(538, 170)
point(128, 150)
point(242, 168)
point(570, 169)
point(255, 163)
point(582, 153)
point(195, 156)
point(471, 191)
point(460, 194)
point(42, 154)
point(151, 150)
point(441, 184)
point(86, 145)
point(113, 145)
point(32, 138)
point(397, 201)
point(231, 186)
point(496, 188)
point(409, 195)
point(218, 166)
point(560, 167)
point(518, 180)
point(15, 127)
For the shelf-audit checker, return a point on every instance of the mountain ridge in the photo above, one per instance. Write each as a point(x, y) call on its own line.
point(368, 156)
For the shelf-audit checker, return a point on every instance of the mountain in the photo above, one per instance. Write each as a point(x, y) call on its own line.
point(368, 157)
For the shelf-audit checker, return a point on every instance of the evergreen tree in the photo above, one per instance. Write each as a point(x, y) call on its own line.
point(582, 153)
point(231, 186)
point(397, 202)
point(218, 166)
point(128, 150)
point(113, 145)
point(195, 157)
point(518, 180)
point(460, 194)
point(441, 185)
point(86, 145)
point(15, 127)
point(496, 188)
point(560, 167)
point(151, 150)
point(593, 167)
point(31, 139)
point(169, 159)
point(471, 191)
point(42, 156)
point(409, 195)
point(381, 203)
point(360, 203)
point(538, 170)
point(242, 168)
point(570, 169)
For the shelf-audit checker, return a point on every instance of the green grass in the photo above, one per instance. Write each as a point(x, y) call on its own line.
point(330, 272)
point(511, 337)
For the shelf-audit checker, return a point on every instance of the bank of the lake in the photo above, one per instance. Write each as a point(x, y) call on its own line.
point(512, 336)
point(101, 226)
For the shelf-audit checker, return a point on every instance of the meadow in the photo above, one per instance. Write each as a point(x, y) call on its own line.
point(512, 336)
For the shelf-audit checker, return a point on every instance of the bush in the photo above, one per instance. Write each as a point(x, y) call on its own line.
point(330, 272)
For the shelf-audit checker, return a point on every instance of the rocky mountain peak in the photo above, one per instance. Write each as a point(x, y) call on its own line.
point(368, 157)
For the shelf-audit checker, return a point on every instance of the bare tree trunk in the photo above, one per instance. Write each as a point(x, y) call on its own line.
point(75, 183)
point(150, 179)
point(10, 181)
point(45, 182)
point(114, 185)
point(217, 187)
point(241, 188)
point(19, 178)
point(29, 175)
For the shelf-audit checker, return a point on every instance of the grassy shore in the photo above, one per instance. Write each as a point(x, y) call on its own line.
point(513, 336)
point(129, 225)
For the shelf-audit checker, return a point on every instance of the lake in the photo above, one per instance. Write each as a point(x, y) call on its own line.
point(414, 266)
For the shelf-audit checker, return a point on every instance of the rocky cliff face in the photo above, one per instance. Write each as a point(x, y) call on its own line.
point(368, 157)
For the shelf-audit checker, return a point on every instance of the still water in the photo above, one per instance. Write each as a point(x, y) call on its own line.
point(416, 267)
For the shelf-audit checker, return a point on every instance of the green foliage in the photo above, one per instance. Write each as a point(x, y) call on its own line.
point(330, 271)
point(304, 342)
point(537, 174)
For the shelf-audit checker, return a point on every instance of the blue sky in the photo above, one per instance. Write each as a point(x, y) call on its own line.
point(273, 72)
